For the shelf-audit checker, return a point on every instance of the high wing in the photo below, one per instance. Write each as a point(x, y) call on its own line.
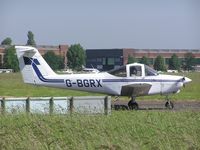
point(136, 89)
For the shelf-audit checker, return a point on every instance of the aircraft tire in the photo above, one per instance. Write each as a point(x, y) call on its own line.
point(133, 105)
point(169, 105)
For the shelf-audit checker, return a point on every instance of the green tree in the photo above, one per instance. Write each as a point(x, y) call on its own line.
point(30, 40)
point(189, 62)
point(76, 57)
point(174, 62)
point(144, 60)
point(6, 41)
point(10, 59)
point(159, 64)
point(54, 61)
point(131, 59)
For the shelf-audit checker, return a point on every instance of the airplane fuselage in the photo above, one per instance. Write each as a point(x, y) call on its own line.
point(109, 84)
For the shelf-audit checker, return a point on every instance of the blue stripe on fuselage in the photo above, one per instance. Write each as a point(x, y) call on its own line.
point(40, 76)
point(138, 80)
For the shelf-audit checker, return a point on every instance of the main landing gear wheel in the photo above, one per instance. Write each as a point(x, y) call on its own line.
point(169, 105)
point(133, 105)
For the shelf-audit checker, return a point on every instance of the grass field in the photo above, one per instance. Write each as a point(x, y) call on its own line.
point(122, 130)
point(12, 85)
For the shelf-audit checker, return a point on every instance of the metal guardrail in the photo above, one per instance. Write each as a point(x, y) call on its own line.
point(57, 105)
point(6, 70)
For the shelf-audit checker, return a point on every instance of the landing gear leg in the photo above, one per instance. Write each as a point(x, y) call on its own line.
point(116, 98)
point(132, 104)
point(168, 104)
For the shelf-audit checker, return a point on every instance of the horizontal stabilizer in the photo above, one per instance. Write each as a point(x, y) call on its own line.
point(25, 49)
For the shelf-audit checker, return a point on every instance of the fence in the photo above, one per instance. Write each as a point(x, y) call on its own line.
point(6, 70)
point(57, 105)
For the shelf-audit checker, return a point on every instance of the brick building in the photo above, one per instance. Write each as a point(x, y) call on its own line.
point(58, 50)
point(106, 59)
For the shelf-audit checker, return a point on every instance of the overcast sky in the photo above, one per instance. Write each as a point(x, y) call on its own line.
point(103, 23)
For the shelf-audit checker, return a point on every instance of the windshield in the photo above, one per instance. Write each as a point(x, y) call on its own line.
point(149, 71)
point(120, 72)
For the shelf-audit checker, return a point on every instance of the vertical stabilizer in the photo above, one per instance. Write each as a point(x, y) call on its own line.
point(32, 65)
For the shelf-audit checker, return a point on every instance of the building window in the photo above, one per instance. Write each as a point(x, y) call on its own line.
point(92, 60)
point(117, 59)
point(111, 61)
point(99, 59)
point(104, 61)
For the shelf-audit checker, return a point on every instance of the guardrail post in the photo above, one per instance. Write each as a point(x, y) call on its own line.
point(106, 105)
point(71, 104)
point(51, 105)
point(3, 105)
point(28, 105)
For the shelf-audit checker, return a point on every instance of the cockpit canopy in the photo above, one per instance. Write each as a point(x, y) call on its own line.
point(119, 72)
point(150, 71)
point(134, 70)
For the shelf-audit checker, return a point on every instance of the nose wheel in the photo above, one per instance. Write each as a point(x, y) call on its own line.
point(169, 104)
point(132, 104)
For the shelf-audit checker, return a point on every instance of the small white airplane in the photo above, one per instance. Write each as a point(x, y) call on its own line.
point(131, 80)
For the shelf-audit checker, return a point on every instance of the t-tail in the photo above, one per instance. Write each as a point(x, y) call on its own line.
point(32, 65)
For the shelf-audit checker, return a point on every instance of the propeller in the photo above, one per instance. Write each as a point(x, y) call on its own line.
point(185, 80)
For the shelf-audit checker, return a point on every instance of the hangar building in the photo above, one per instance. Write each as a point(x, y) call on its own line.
point(106, 59)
